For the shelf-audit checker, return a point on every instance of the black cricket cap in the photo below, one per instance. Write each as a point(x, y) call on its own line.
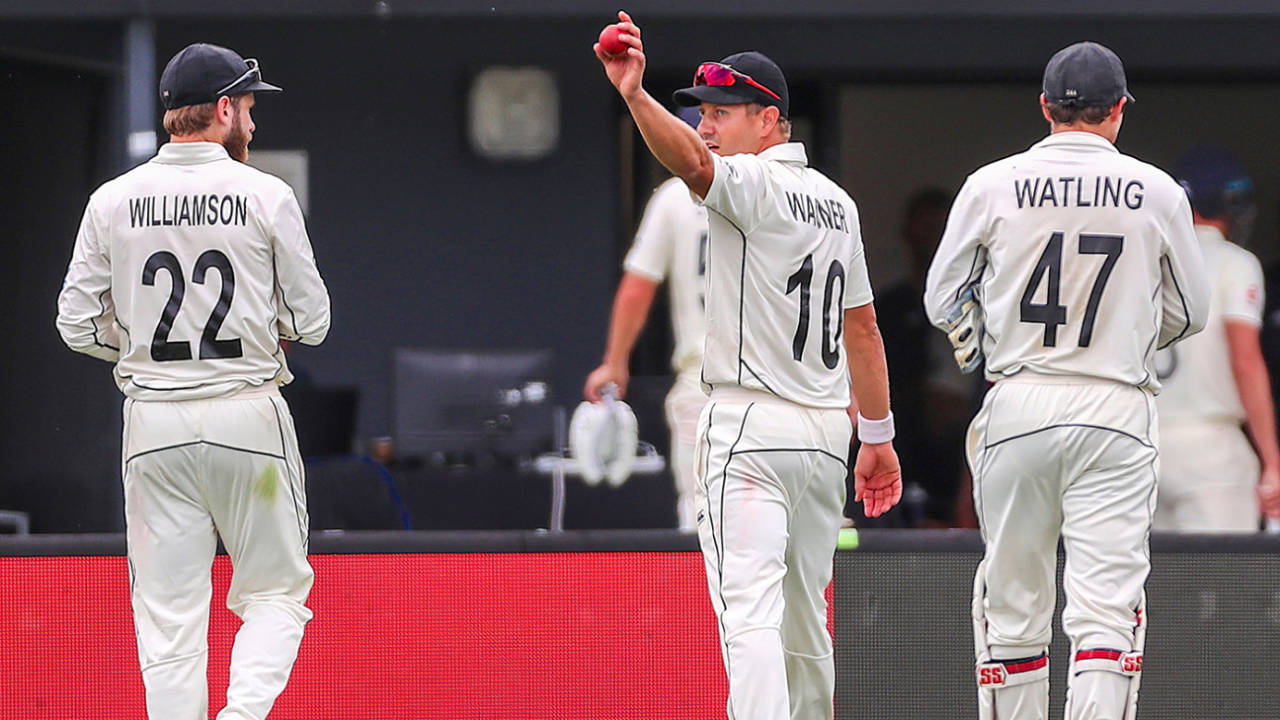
point(201, 73)
point(755, 64)
point(1085, 75)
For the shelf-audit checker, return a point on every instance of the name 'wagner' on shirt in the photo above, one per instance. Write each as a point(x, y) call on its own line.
point(190, 210)
point(1042, 192)
point(823, 213)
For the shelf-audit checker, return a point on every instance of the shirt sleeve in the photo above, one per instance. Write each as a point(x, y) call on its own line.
point(960, 259)
point(858, 292)
point(739, 190)
point(302, 300)
point(1244, 296)
point(86, 312)
point(1184, 288)
point(651, 253)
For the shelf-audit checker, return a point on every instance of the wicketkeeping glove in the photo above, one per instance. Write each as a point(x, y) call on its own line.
point(963, 326)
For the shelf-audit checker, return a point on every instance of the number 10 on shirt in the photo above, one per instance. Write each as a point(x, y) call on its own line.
point(803, 279)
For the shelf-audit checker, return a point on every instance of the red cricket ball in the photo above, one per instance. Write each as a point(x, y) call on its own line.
point(610, 42)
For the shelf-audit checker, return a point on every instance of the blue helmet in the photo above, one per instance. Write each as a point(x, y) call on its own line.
point(1218, 187)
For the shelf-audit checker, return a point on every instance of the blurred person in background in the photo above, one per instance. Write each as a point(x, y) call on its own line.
point(1216, 394)
point(1271, 349)
point(671, 245)
point(934, 399)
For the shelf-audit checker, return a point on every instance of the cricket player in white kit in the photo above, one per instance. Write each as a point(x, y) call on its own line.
point(187, 272)
point(1216, 384)
point(670, 244)
point(789, 323)
point(1067, 266)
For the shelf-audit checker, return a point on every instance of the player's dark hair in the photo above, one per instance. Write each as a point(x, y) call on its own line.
point(1071, 114)
point(191, 119)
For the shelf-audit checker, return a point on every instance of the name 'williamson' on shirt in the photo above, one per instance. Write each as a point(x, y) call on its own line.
point(188, 210)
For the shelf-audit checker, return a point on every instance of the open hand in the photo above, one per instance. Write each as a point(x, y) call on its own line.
point(877, 478)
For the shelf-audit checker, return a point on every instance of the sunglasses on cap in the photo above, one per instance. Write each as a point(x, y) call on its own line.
point(252, 72)
point(720, 75)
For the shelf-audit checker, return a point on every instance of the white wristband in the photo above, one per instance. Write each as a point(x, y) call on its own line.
point(875, 431)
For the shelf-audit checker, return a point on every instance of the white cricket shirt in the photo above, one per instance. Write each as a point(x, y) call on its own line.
point(187, 271)
point(1196, 374)
point(1083, 259)
point(785, 259)
point(671, 244)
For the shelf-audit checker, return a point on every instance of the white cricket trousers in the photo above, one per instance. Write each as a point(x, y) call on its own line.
point(1208, 478)
point(194, 471)
point(772, 480)
point(684, 405)
point(1077, 458)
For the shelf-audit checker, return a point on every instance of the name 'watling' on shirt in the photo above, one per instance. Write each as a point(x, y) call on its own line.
point(1039, 192)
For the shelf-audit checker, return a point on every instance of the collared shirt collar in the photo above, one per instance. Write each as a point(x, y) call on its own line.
point(792, 152)
point(1078, 138)
point(190, 153)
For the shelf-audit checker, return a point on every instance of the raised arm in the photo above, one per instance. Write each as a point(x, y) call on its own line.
point(669, 138)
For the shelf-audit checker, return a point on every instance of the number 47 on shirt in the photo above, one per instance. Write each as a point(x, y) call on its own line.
point(1050, 313)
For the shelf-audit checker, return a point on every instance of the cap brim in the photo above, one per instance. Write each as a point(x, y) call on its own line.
point(260, 86)
point(715, 94)
point(252, 86)
point(1084, 102)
